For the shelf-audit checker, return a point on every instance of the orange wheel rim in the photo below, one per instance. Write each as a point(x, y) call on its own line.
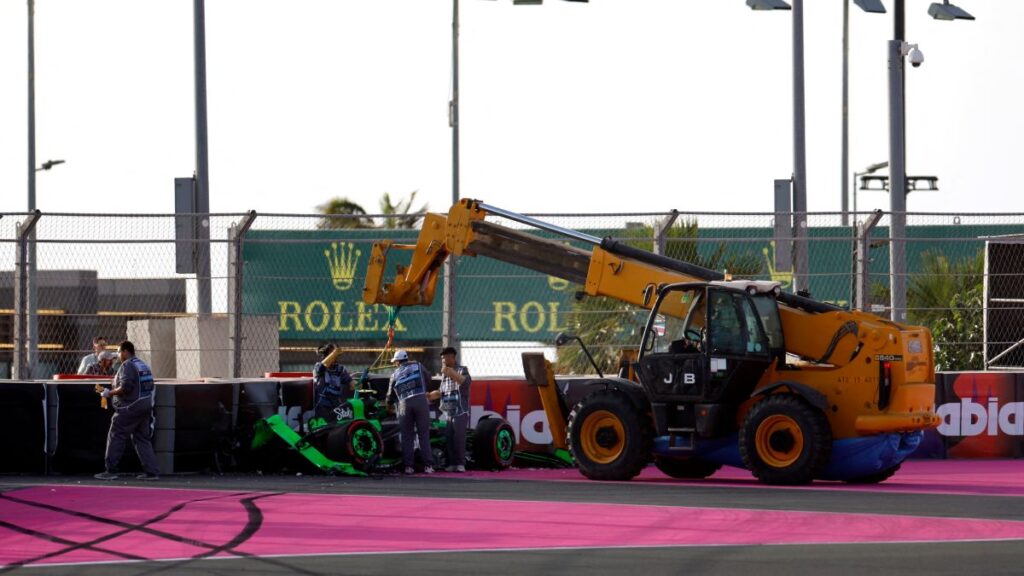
point(779, 441)
point(603, 437)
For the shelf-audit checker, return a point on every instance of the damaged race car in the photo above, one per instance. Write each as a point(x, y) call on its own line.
point(363, 439)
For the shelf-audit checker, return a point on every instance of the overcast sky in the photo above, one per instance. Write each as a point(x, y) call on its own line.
point(615, 105)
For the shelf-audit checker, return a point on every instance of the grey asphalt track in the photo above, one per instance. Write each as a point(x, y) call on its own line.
point(960, 558)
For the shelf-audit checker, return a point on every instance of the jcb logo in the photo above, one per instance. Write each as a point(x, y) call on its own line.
point(688, 378)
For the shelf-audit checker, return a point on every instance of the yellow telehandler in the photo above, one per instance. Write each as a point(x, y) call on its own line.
point(729, 372)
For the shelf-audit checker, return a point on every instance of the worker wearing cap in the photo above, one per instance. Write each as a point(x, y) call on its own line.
point(104, 365)
point(99, 344)
point(409, 385)
point(454, 402)
point(331, 382)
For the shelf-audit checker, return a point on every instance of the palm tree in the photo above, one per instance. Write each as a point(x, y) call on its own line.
point(932, 290)
point(946, 297)
point(397, 215)
point(959, 332)
point(340, 212)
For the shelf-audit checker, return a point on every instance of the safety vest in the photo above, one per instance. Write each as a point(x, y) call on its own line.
point(329, 382)
point(452, 403)
point(407, 381)
point(146, 384)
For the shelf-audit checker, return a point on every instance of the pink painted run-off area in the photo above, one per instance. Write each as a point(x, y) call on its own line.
point(978, 477)
point(73, 524)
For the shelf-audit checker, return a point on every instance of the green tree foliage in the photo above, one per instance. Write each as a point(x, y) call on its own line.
point(946, 297)
point(608, 325)
point(345, 213)
point(958, 332)
point(931, 292)
point(398, 215)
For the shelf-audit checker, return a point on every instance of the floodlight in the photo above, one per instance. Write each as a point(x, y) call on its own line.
point(947, 11)
point(768, 5)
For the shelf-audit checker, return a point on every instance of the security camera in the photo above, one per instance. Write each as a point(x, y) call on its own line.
point(916, 57)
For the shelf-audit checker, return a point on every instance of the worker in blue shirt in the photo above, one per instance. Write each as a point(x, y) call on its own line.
point(133, 397)
point(332, 384)
point(409, 385)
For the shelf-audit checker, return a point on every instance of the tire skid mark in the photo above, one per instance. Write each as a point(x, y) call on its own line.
point(71, 544)
point(252, 526)
point(126, 528)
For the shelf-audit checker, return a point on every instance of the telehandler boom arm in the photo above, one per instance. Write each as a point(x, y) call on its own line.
point(814, 331)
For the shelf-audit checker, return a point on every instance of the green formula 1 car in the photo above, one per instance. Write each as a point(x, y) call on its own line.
point(364, 439)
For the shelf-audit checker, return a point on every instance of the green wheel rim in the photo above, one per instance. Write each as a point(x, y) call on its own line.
point(505, 443)
point(364, 444)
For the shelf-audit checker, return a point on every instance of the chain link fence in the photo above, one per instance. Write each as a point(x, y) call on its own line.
point(280, 285)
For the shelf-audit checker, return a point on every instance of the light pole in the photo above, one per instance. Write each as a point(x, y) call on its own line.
point(898, 49)
point(875, 7)
point(449, 334)
point(871, 169)
point(32, 305)
point(204, 297)
point(800, 260)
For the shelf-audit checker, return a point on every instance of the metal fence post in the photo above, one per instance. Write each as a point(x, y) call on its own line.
point(861, 286)
point(236, 266)
point(661, 231)
point(24, 306)
point(782, 232)
point(897, 184)
point(449, 332)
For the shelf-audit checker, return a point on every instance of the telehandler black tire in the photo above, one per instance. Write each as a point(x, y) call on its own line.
point(880, 476)
point(686, 467)
point(609, 437)
point(785, 440)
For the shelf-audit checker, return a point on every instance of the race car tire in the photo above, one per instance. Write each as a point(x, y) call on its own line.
point(359, 443)
point(494, 444)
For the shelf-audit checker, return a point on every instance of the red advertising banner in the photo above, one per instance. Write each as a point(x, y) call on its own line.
point(982, 414)
point(518, 403)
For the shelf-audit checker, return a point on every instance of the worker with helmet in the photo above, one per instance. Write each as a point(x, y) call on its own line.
point(409, 385)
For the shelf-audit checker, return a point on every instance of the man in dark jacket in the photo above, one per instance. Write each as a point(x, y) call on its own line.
point(331, 382)
point(133, 395)
point(454, 402)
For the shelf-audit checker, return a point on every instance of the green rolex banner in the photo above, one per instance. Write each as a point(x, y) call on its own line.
point(311, 280)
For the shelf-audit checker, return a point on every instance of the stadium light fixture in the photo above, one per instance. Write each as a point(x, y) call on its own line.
point(768, 5)
point(947, 11)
